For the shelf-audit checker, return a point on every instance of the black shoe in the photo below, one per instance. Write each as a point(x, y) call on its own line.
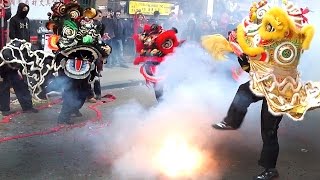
point(222, 126)
point(31, 110)
point(77, 114)
point(267, 174)
point(98, 97)
point(6, 113)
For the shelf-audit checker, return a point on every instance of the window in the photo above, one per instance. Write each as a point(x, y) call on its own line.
point(87, 3)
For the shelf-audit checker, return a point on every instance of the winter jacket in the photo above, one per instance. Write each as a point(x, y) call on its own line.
point(19, 26)
point(100, 27)
point(109, 26)
point(119, 30)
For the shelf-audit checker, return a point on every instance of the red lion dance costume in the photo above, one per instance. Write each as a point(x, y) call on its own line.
point(152, 46)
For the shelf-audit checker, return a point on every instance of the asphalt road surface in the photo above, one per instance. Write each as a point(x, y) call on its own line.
point(104, 149)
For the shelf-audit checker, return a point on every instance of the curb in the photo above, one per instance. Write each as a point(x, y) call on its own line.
point(123, 84)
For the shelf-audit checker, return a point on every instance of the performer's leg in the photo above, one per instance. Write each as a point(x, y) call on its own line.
point(5, 97)
point(238, 108)
point(22, 92)
point(83, 93)
point(81, 98)
point(158, 91)
point(270, 150)
point(69, 106)
point(111, 59)
point(97, 89)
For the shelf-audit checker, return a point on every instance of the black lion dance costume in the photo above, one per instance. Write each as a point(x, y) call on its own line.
point(77, 45)
point(28, 72)
point(38, 68)
point(152, 46)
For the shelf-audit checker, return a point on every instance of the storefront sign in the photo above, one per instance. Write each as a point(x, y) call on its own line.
point(38, 8)
point(148, 8)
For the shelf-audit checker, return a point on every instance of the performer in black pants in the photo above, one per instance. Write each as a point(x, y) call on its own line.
point(74, 96)
point(95, 92)
point(269, 125)
point(12, 78)
point(158, 88)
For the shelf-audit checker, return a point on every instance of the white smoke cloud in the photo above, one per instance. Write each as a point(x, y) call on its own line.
point(198, 92)
point(309, 63)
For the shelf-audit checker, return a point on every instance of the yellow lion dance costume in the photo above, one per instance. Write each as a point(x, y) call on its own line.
point(273, 38)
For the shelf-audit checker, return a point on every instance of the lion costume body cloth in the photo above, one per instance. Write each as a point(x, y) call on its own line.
point(274, 38)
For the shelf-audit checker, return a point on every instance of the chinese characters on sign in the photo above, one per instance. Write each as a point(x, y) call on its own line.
point(148, 8)
point(38, 8)
point(34, 2)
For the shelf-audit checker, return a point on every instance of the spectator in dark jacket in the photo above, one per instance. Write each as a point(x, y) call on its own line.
point(19, 26)
point(191, 32)
point(108, 23)
point(12, 77)
point(7, 15)
point(96, 91)
point(172, 21)
point(156, 19)
point(98, 22)
point(118, 40)
point(108, 36)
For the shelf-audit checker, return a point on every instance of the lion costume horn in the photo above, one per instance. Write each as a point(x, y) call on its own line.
point(217, 45)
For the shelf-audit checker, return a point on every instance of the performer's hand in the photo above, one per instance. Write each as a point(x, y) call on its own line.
point(106, 36)
point(243, 57)
point(20, 75)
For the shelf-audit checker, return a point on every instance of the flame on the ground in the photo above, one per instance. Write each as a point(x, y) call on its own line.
point(178, 158)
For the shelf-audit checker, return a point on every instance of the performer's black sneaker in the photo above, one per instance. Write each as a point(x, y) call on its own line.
point(98, 97)
point(222, 126)
point(6, 113)
point(77, 114)
point(31, 110)
point(268, 174)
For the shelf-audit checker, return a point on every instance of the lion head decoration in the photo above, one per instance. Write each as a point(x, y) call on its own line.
point(273, 39)
point(153, 45)
point(76, 40)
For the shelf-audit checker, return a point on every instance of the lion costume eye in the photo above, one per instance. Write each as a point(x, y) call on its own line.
point(74, 14)
point(167, 44)
point(62, 9)
point(68, 32)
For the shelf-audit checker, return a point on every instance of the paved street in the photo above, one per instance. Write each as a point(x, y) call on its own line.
point(115, 147)
point(118, 76)
point(128, 135)
point(122, 138)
